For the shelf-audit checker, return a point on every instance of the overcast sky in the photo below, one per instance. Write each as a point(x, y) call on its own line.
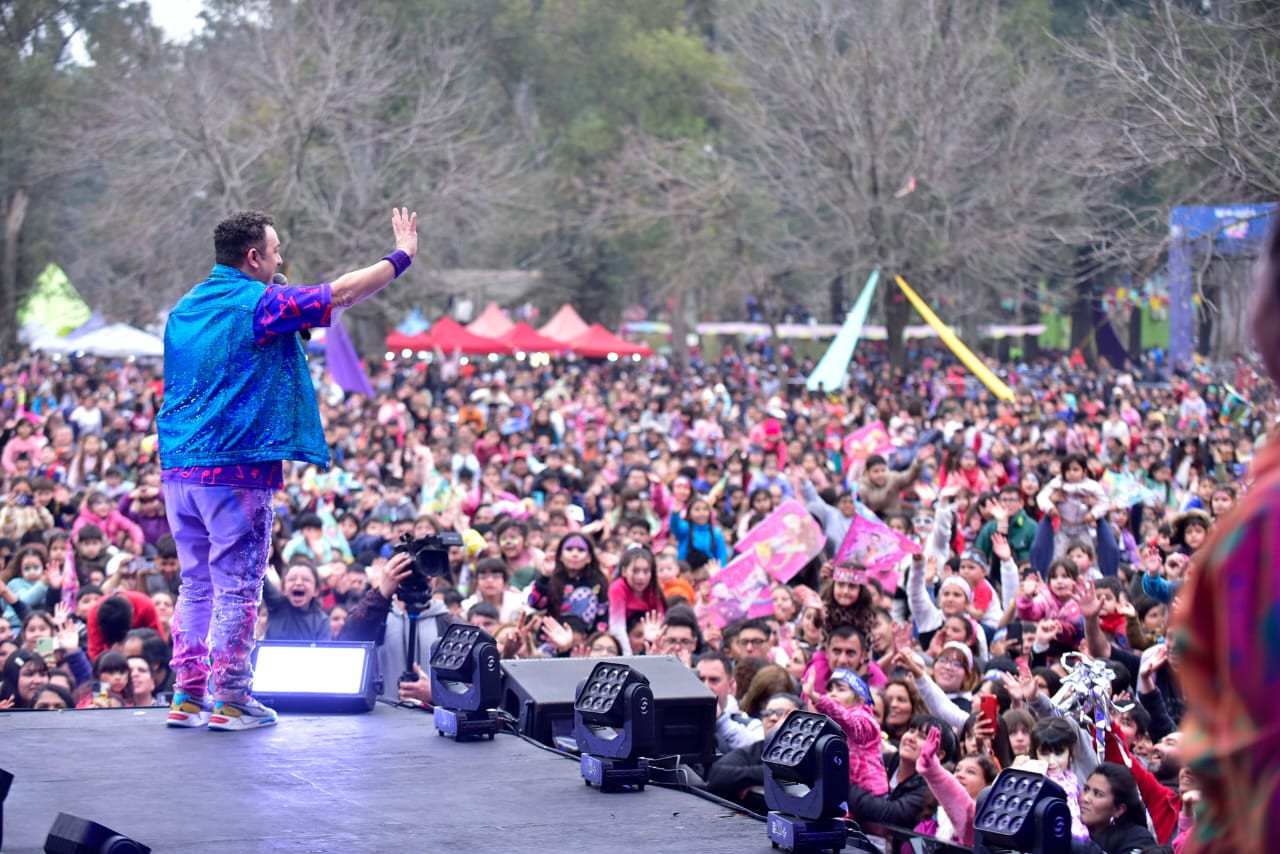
point(177, 17)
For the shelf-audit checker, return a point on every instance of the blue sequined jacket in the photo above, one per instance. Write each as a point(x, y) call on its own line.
point(227, 399)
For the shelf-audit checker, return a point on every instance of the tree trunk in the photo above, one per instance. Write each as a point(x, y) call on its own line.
point(896, 312)
point(15, 213)
point(1230, 310)
point(679, 325)
point(836, 295)
point(1082, 333)
point(1030, 313)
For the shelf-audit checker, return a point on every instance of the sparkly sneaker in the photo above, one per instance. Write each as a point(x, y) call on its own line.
point(244, 714)
point(187, 711)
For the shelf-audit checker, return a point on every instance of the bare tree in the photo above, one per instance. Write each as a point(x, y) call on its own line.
point(1188, 98)
point(909, 135)
point(682, 198)
point(324, 118)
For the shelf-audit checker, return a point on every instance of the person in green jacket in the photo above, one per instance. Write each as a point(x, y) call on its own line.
point(1008, 518)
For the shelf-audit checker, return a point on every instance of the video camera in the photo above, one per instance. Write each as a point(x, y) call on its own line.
point(430, 560)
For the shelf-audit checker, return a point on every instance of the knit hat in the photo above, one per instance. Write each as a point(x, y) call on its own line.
point(965, 652)
point(853, 680)
point(957, 581)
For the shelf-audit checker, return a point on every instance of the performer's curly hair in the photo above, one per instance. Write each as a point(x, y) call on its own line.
point(237, 234)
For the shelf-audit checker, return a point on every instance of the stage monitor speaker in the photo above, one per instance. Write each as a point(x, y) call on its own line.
point(539, 692)
point(315, 676)
point(74, 835)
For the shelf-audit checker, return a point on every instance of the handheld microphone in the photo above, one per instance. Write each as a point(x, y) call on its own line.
point(282, 279)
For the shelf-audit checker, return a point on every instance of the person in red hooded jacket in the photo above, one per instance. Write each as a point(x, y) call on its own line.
point(112, 618)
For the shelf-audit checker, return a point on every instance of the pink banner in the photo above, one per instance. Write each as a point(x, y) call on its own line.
point(740, 590)
point(877, 547)
point(784, 541)
point(867, 441)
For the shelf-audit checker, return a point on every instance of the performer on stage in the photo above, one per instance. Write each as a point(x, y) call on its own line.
point(1226, 629)
point(238, 402)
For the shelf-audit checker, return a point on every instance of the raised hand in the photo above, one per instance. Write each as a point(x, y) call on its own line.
point(1151, 561)
point(1014, 687)
point(902, 636)
point(1030, 687)
point(405, 227)
point(1150, 666)
point(557, 634)
point(1087, 598)
point(808, 692)
point(929, 748)
point(1046, 632)
point(68, 637)
point(807, 596)
point(396, 571)
point(1000, 547)
point(652, 622)
point(996, 510)
point(907, 661)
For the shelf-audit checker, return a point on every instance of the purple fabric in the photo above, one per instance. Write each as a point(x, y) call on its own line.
point(264, 475)
point(344, 364)
point(400, 260)
point(153, 527)
point(283, 310)
point(223, 534)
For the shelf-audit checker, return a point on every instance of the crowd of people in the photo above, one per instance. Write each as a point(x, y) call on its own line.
point(597, 503)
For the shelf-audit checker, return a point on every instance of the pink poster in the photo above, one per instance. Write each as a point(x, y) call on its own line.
point(867, 441)
point(877, 547)
point(784, 541)
point(740, 590)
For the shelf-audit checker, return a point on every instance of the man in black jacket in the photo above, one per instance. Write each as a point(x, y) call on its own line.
point(738, 776)
point(381, 618)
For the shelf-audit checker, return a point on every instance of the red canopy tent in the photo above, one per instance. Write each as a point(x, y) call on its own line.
point(450, 336)
point(492, 322)
point(598, 342)
point(398, 342)
point(565, 325)
point(523, 338)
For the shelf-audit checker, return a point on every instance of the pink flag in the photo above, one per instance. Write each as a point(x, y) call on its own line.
point(784, 541)
point(70, 581)
point(877, 547)
point(867, 441)
point(740, 590)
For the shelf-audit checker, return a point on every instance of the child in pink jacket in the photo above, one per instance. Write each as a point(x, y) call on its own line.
point(847, 701)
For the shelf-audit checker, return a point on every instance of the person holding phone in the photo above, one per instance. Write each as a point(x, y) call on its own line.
point(20, 513)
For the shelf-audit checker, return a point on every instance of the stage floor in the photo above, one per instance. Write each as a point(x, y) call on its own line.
point(382, 781)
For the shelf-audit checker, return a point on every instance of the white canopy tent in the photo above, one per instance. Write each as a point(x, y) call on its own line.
point(117, 341)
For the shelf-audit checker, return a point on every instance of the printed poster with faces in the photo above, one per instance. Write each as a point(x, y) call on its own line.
point(740, 590)
point(877, 547)
point(784, 541)
point(867, 441)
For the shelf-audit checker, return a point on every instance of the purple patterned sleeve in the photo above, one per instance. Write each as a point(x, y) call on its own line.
point(284, 310)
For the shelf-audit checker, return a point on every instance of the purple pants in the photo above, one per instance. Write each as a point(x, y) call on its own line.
point(223, 535)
